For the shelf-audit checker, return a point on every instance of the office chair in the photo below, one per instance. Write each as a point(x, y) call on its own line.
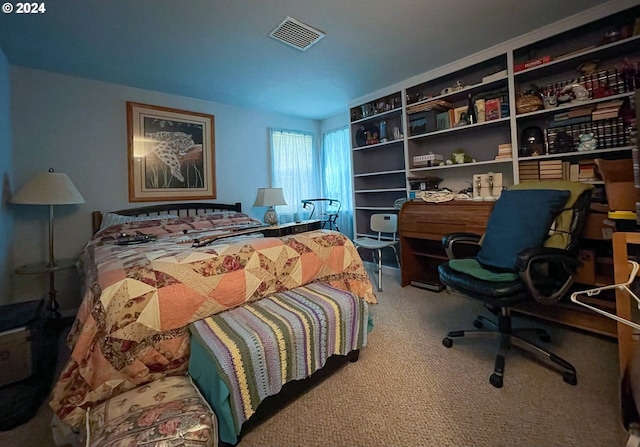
point(520, 258)
point(381, 224)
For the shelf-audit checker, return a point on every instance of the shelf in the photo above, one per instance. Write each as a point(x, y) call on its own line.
point(463, 165)
point(460, 94)
point(380, 190)
point(460, 128)
point(377, 145)
point(577, 154)
point(397, 171)
point(378, 116)
point(612, 50)
point(573, 105)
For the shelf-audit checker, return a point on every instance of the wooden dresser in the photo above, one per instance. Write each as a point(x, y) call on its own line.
point(422, 226)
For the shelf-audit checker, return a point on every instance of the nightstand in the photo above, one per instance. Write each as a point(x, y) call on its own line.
point(43, 267)
point(291, 228)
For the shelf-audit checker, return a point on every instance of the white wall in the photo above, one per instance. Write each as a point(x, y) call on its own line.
point(335, 122)
point(6, 169)
point(79, 127)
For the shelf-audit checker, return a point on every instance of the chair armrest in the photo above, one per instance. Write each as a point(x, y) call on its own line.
point(547, 272)
point(450, 240)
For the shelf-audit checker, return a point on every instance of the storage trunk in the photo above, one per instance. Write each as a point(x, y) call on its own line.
point(16, 359)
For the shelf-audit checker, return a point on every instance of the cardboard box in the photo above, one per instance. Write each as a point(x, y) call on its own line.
point(598, 226)
point(619, 184)
point(16, 361)
point(586, 273)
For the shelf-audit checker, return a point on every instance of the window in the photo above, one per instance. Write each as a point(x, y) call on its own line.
point(297, 171)
point(336, 170)
point(294, 169)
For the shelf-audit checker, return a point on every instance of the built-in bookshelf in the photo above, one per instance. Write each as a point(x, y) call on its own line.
point(573, 82)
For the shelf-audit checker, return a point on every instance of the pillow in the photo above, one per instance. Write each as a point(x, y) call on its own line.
point(110, 219)
point(559, 238)
point(520, 219)
point(167, 411)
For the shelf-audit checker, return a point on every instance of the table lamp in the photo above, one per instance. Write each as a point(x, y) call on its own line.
point(270, 197)
point(48, 188)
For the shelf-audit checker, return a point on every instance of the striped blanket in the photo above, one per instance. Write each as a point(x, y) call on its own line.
point(258, 347)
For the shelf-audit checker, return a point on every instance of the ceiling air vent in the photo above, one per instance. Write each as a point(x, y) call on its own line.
point(297, 34)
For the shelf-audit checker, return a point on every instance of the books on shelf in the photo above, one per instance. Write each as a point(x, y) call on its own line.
point(532, 63)
point(504, 152)
point(580, 111)
point(529, 170)
point(569, 121)
point(587, 170)
point(548, 170)
point(604, 114)
point(492, 109)
point(442, 121)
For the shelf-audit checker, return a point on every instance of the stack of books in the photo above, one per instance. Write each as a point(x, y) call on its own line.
point(586, 171)
point(574, 116)
point(504, 152)
point(551, 170)
point(607, 110)
point(529, 170)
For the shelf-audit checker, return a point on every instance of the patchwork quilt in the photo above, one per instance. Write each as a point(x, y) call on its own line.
point(132, 326)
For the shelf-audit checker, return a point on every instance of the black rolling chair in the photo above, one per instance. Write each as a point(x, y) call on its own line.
point(529, 252)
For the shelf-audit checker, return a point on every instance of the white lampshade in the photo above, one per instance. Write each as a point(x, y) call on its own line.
point(48, 188)
point(270, 197)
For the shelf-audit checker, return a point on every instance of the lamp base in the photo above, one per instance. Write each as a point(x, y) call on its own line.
point(271, 217)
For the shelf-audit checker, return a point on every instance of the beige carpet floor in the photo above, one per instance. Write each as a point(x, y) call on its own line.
point(407, 389)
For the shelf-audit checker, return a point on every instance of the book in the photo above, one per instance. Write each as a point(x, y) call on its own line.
point(605, 114)
point(442, 121)
point(616, 103)
point(581, 111)
point(492, 109)
point(569, 121)
point(532, 63)
point(574, 172)
point(549, 162)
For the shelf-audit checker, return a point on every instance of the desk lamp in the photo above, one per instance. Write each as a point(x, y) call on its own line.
point(48, 188)
point(270, 197)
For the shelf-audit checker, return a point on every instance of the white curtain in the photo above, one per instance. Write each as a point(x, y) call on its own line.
point(337, 173)
point(294, 169)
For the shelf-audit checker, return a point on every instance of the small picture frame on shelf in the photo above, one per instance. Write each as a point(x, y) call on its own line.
point(460, 116)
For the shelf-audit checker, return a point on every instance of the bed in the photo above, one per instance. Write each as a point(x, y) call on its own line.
point(150, 275)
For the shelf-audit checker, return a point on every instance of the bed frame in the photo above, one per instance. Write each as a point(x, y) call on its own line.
point(180, 208)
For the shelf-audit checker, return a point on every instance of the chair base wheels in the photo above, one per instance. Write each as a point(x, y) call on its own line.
point(509, 337)
point(496, 380)
point(570, 378)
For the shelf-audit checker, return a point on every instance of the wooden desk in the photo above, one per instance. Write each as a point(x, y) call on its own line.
point(422, 226)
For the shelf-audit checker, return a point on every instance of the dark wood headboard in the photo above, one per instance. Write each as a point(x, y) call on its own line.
point(180, 208)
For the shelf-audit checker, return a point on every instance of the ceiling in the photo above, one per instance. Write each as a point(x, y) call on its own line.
point(219, 50)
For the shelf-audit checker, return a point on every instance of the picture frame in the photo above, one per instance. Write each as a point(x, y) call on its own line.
point(460, 114)
point(171, 154)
